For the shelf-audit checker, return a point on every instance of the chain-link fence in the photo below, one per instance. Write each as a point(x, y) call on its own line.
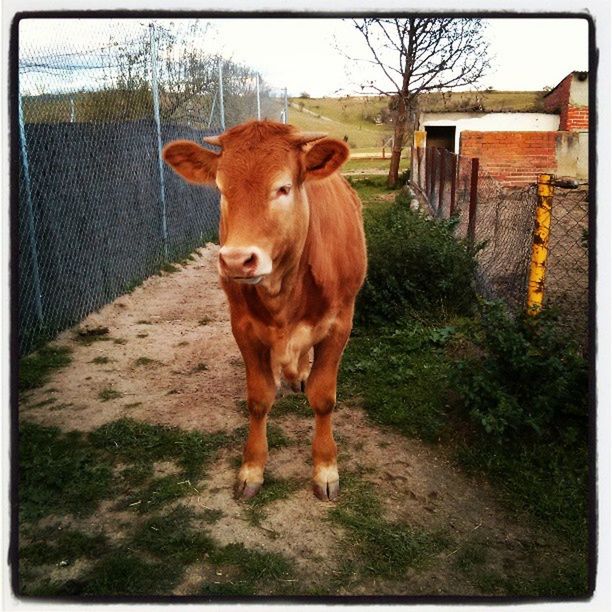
point(499, 220)
point(495, 218)
point(98, 210)
point(566, 285)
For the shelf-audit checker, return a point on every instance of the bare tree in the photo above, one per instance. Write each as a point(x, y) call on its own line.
point(418, 55)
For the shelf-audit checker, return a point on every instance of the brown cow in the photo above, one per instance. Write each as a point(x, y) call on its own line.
point(291, 262)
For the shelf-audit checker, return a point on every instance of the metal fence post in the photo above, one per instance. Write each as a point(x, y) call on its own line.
point(155, 92)
point(258, 100)
point(442, 177)
point(221, 104)
point(453, 194)
point(539, 249)
point(471, 231)
point(30, 216)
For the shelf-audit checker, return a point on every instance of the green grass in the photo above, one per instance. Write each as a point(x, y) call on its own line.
point(146, 362)
point(256, 571)
point(168, 268)
point(137, 442)
point(377, 546)
point(52, 545)
point(373, 165)
point(108, 393)
point(172, 538)
point(100, 360)
point(371, 188)
point(36, 369)
point(295, 404)
point(273, 490)
point(59, 473)
point(401, 375)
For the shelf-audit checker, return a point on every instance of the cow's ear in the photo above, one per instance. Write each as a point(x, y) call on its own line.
point(193, 162)
point(324, 157)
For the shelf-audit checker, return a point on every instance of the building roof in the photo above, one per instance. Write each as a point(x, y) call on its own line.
point(579, 74)
point(483, 102)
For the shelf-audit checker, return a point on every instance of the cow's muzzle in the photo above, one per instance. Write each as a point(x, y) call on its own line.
point(244, 264)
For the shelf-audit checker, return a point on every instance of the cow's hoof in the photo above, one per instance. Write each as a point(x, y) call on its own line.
point(247, 490)
point(327, 491)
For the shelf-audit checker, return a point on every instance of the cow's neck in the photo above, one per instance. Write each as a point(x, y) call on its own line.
point(283, 298)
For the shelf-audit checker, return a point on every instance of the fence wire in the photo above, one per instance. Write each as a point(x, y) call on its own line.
point(96, 214)
point(502, 230)
point(566, 286)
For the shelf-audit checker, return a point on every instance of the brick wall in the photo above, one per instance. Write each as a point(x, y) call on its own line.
point(514, 158)
point(572, 118)
point(577, 119)
point(557, 101)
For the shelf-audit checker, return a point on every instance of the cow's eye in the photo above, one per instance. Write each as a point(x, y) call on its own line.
point(284, 190)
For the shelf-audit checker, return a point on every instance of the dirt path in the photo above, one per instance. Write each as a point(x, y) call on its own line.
point(196, 381)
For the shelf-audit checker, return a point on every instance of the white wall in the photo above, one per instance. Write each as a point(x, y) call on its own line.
point(491, 122)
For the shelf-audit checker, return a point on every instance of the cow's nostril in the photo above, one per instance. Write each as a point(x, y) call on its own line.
point(251, 261)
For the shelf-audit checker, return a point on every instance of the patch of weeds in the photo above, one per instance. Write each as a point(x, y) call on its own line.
point(144, 322)
point(296, 404)
point(200, 367)
point(59, 473)
point(567, 577)
point(168, 268)
point(123, 573)
point(383, 548)
point(52, 545)
point(210, 515)
point(205, 321)
point(272, 490)
point(227, 589)
point(108, 393)
point(254, 568)
point(100, 359)
point(61, 406)
point(36, 369)
point(171, 537)
point(135, 441)
point(158, 492)
point(137, 474)
point(45, 402)
point(146, 361)
point(142, 335)
point(471, 556)
point(183, 343)
point(525, 399)
point(89, 339)
point(401, 375)
point(120, 340)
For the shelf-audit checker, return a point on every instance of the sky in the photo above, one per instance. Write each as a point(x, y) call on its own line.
point(309, 55)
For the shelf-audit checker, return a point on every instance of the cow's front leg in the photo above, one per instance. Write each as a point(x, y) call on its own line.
point(260, 396)
point(321, 393)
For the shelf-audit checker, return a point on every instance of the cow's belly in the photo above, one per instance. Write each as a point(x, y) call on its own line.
point(289, 349)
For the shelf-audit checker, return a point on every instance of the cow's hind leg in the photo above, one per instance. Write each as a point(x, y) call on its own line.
point(260, 396)
point(321, 393)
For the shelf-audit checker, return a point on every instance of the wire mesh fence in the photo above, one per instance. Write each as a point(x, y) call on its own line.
point(98, 212)
point(566, 286)
point(499, 220)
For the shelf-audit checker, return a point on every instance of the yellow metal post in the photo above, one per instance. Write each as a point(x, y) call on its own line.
point(539, 249)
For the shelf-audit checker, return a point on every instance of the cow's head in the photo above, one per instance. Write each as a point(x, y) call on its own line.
point(260, 171)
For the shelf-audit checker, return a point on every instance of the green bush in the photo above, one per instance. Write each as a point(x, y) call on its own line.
point(415, 264)
point(525, 394)
point(531, 378)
